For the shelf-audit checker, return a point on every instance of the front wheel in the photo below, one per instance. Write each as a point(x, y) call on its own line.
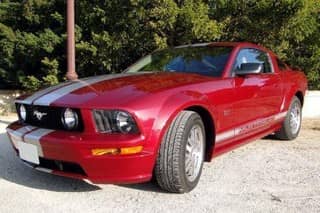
point(181, 154)
point(292, 123)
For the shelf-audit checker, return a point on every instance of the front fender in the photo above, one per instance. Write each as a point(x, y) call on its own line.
point(171, 108)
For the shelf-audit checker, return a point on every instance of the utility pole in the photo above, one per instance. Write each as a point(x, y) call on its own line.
point(71, 53)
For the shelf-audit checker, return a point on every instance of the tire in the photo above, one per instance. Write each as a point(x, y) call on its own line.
point(182, 146)
point(292, 123)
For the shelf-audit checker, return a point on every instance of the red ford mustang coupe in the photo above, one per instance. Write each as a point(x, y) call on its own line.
point(163, 116)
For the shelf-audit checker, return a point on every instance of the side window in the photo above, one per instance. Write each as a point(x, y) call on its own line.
point(251, 55)
point(281, 65)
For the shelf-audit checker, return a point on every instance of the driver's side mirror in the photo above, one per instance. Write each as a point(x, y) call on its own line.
point(249, 68)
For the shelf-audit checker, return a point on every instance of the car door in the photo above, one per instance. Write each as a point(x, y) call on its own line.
point(257, 96)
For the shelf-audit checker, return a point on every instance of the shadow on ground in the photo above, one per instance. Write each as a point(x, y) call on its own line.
point(270, 137)
point(5, 122)
point(13, 170)
point(150, 186)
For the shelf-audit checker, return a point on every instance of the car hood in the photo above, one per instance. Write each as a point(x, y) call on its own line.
point(111, 90)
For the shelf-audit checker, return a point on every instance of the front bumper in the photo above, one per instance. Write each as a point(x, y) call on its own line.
point(69, 154)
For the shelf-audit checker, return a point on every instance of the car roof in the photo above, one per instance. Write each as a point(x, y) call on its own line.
point(231, 44)
point(227, 44)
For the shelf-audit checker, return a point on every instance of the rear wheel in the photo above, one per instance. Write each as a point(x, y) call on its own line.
point(181, 154)
point(291, 125)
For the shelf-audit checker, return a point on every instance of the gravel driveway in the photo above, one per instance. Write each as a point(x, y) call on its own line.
point(264, 176)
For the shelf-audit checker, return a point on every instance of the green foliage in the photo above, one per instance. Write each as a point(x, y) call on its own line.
point(291, 28)
point(30, 82)
point(194, 23)
point(51, 68)
point(110, 35)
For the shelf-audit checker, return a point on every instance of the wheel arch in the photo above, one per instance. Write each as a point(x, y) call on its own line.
point(209, 126)
point(289, 96)
point(299, 94)
point(172, 106)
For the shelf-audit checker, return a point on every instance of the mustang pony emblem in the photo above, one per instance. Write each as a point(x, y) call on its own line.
point(39, 115)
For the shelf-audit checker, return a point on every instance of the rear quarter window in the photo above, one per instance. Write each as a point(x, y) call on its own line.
point(282, 66)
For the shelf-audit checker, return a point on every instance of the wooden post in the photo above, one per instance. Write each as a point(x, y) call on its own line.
point(71, 53)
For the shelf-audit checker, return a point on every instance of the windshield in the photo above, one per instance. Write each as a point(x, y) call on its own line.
point(209, 61)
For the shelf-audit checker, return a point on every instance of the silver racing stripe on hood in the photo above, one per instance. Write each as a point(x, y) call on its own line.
point(48, 96)
point(40, 93)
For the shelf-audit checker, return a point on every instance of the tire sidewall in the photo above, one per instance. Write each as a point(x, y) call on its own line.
point(195, 119)
point(287, 119)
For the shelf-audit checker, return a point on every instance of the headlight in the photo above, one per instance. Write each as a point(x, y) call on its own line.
point(22, 112)
point(70, 119)
point(125, 123)
point(114, 121)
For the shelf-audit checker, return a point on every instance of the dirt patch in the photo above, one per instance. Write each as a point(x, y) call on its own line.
point(312, 124)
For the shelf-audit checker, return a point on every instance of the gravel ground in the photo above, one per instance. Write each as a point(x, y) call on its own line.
point(264, 176)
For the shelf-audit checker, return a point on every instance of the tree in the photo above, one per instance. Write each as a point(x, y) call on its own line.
point(110, 35)
point(30, 33)
point(290, 28)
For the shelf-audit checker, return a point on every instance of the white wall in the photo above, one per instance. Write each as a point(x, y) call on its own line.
point(311, 108)
point(6, 101)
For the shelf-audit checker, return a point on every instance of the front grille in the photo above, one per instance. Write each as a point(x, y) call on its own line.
point(51, 118)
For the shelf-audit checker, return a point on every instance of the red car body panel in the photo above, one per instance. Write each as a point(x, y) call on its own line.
point(241, 109)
